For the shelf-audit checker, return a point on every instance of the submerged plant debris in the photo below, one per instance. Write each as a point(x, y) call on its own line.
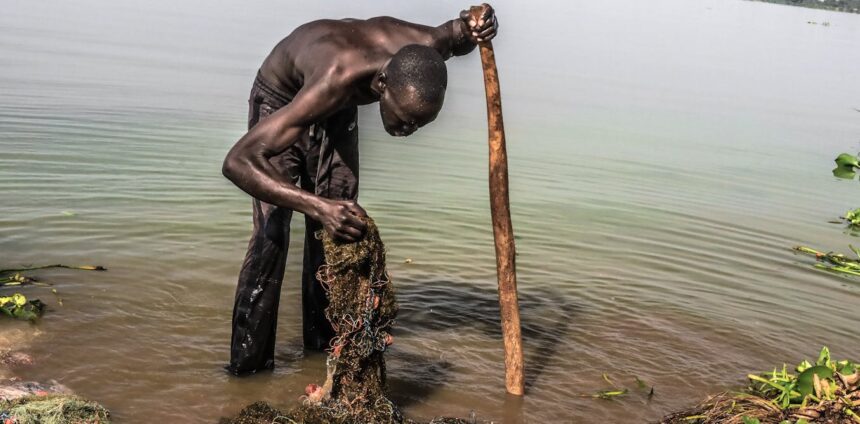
point(362, 309)
point(826, 391)
point(53, 409)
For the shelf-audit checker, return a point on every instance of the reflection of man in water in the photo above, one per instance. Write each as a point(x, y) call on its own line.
point(301, 150)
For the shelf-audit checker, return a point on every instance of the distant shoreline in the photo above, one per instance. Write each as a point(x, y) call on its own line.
point(849, 6)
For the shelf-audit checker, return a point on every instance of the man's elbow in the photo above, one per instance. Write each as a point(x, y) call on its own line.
point(231, 167)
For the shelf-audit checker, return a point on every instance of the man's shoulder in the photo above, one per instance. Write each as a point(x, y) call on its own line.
point(343, 72)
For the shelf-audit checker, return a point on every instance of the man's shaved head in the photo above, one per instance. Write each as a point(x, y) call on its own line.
point(418, 71)
point(415, 80)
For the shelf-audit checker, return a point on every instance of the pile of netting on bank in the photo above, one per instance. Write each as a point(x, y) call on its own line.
point(361, 310)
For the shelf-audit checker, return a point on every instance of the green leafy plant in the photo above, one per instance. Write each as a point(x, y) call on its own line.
point(852, 217)
point(845, 166)
point(847, 159)
point(811, 388)
point(17, 306)
point(824, 391)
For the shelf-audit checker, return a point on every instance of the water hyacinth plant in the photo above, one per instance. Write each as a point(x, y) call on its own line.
point(826, 388)
point(825, 391)
point(17, 306)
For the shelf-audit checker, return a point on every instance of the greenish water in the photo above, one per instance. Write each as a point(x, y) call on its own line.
point(664, 158)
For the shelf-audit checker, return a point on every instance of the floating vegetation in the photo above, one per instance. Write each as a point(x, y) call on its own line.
point(53, 409)
point(846, 165)
point(17, 306)
point(852, 217)
point(33, 268)
point(16, 280)
point(616, 391)
point(834, 262)
point(827, 391)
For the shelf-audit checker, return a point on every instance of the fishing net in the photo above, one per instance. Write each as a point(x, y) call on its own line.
point(362, 309)
point(53, 409)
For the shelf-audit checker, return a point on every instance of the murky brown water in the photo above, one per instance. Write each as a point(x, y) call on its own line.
point(664, 158)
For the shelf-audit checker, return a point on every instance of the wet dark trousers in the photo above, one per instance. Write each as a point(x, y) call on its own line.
point(324, 161)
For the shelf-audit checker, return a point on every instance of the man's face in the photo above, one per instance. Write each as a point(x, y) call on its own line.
point(402, 114)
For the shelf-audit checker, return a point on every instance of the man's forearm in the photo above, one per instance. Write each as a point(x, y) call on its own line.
point(454, 38)
point(260, 181)
point(252, 172)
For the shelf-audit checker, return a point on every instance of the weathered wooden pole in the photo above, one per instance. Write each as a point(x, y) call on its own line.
point(503, 232)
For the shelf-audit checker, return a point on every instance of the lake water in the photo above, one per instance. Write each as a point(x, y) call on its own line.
point(664, 157)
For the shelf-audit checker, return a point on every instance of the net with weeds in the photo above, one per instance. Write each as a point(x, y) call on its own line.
point(362, 309)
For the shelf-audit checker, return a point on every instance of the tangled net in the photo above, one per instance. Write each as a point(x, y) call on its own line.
point(361, 310)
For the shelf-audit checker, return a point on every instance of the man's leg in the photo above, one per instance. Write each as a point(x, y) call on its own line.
point(255, 311)
point(331, 172)
point(316, 330)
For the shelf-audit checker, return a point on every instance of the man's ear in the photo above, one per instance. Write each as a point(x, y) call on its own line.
point(383, 79)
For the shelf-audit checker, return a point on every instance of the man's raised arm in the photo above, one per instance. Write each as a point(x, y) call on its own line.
point(247, 164)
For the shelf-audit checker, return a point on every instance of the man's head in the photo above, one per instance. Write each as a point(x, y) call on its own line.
point(412, 89)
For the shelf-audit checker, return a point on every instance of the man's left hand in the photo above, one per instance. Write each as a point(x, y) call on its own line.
point(485, 28)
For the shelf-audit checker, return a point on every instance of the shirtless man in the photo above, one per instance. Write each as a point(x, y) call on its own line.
point(301, 150)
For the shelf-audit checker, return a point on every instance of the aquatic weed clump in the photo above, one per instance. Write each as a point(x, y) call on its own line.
point(53, 409)
point(827, 391)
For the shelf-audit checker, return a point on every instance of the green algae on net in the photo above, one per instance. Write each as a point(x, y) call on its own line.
point(361, 310)
point(834, 262)
point(826, 391)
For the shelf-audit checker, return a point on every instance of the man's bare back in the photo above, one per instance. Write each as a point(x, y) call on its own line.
point(351, 49)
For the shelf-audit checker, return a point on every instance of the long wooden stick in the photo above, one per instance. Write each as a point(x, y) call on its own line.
point(503, 232)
